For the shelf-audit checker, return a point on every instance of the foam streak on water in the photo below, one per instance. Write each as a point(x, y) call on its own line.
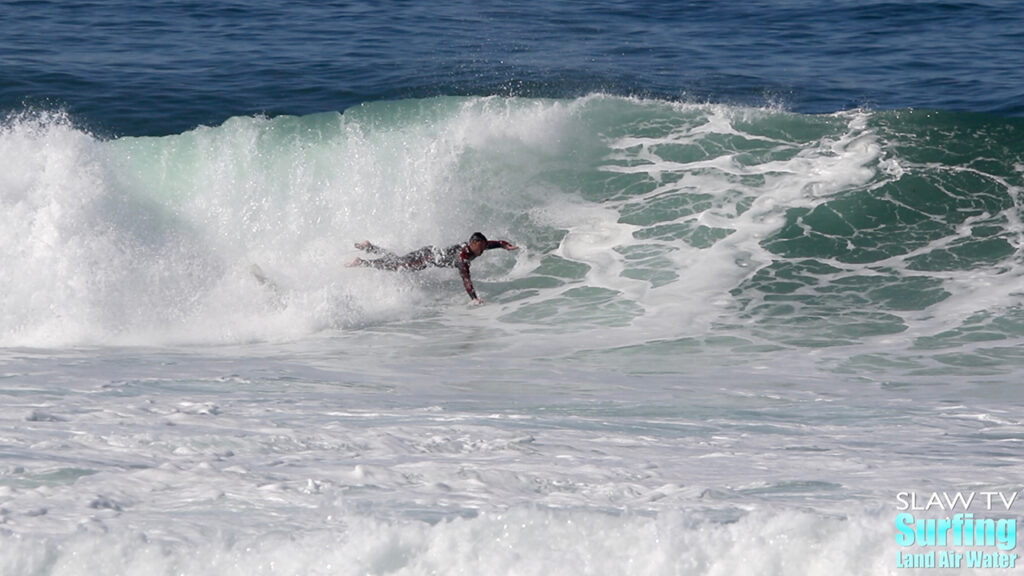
point(307, 459)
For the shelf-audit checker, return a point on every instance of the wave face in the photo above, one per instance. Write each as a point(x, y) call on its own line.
point(663, 221)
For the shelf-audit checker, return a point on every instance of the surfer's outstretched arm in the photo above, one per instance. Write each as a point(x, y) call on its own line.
point(467, 282)
point(492, 244)
point(478, 243)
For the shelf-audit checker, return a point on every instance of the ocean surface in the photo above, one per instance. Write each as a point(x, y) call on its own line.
point(765, 317)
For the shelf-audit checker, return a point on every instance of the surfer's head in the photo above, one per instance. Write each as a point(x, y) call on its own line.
point(477, 243)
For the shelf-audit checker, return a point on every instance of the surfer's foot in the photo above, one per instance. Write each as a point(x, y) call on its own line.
point(354, 263)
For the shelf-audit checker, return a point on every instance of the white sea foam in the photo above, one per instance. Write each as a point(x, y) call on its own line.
point(516, 542)
point(340, 457)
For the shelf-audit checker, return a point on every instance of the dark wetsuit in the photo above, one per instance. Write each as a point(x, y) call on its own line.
point(457, 256)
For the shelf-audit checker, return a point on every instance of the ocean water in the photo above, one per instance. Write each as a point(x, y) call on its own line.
point(766, 306)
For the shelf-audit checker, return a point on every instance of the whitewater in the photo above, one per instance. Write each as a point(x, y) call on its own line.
point(730, 337)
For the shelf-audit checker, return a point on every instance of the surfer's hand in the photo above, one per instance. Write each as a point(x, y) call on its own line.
point(476, 302)
point(511, 247)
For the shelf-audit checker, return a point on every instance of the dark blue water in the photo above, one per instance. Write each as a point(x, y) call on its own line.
point(129, 67)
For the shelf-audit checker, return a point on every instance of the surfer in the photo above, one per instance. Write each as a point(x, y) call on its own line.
point(457, 256)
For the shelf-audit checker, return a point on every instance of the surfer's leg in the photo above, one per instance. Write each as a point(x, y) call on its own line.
point(390, 261)
point(366, 246)
point(416, 260)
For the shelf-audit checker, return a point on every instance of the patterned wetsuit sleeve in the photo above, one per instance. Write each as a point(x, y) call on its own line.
point(492, 244)
point(463, 265)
